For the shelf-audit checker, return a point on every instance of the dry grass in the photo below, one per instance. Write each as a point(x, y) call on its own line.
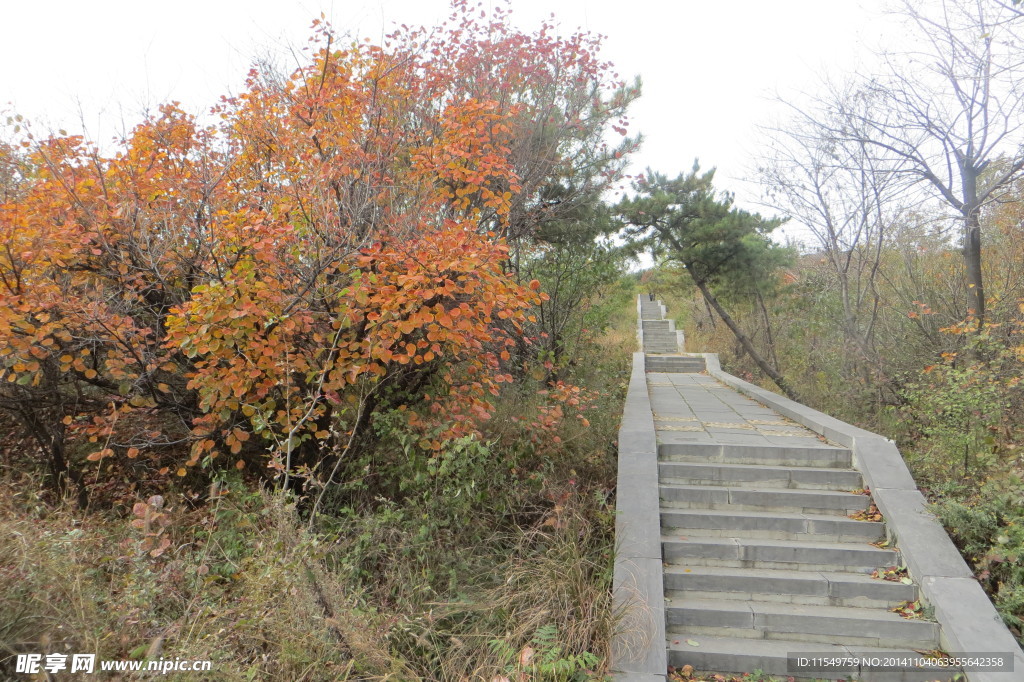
point(76, 583)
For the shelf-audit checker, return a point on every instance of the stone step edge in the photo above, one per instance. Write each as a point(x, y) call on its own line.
point(874, 614)
point(765, 475)
point(742, 655)
point(766, 553)
point(736, 521)
point(786, 582)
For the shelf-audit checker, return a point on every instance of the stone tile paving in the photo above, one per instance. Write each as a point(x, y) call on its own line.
point(697, 408)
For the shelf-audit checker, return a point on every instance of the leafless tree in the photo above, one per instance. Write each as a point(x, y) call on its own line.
point(846, 196)
point(948, 113)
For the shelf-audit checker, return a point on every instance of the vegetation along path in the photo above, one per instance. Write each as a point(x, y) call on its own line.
point(765, 542)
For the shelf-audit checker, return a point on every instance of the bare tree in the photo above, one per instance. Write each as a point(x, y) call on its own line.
point(949, 114)
point(846, 197)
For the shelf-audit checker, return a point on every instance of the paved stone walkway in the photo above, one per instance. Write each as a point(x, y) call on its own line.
point(696, 408)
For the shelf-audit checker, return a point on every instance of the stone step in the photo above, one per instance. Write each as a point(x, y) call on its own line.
point(804, 478)
point(652, 364)
point(844, 625)
point(741, 655)
point(767, 455)
point(771, 525)
point(778, 499)
point(840, 557)
point(797, 587)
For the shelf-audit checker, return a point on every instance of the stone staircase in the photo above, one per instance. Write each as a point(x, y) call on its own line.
point(660, 335)
point(650, 309)
point(763, 562)
point(674, 363)
point(755, 550)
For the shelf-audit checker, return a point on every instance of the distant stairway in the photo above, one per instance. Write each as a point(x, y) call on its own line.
point(660, 336)
point(662, 342)
point(650, 310)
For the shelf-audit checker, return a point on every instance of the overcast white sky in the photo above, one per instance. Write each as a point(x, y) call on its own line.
point(708, 66)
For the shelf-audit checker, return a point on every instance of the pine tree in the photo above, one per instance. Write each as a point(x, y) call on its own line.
point(723, 248)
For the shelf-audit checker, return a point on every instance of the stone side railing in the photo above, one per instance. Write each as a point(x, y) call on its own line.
point(638, 646)
point(638, 651)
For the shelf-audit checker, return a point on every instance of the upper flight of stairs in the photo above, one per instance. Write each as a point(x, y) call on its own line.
point(662, 342)
point(659, 334)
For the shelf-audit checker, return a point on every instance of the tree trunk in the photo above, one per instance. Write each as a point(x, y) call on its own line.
point(62, 473)
point(745, 341)
point(969, 172)
point(972, 263)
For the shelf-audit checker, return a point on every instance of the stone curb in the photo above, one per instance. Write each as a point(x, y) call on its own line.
point(638, 651)
point(968, 620)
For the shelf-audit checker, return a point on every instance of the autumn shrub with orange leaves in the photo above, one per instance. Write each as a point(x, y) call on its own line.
point(247, 293)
